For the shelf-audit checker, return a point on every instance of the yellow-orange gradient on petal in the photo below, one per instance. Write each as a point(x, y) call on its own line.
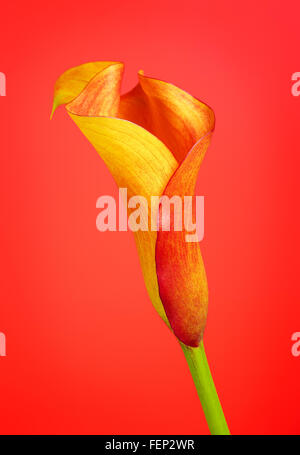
point(152, 140)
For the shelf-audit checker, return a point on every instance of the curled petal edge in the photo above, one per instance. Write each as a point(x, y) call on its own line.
point(91, 94)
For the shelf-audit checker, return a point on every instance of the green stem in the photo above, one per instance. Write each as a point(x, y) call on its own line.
point(197, 361)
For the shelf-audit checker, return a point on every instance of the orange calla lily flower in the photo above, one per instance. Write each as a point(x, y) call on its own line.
point(153, 140)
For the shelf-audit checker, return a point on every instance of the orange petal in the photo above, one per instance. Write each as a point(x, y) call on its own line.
point(73, 81)
point(174, 116)
point(136, 159)
point(154, 117)
point(180, 269)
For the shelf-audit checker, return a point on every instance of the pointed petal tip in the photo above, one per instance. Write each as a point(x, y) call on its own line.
point(54, 107)
point(52, 113)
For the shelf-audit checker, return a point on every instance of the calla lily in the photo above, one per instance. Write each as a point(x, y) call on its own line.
point(153, 140)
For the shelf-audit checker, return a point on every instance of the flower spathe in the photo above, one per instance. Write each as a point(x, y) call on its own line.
point(153, 140)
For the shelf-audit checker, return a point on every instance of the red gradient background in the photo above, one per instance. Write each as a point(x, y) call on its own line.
point(86, 352)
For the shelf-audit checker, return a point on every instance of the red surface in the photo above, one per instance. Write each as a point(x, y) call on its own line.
point(86, 353)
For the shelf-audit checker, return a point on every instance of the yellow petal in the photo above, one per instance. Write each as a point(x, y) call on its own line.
point(137, 160)
point(150, 139)
point(72, 82)
point(141, 163)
